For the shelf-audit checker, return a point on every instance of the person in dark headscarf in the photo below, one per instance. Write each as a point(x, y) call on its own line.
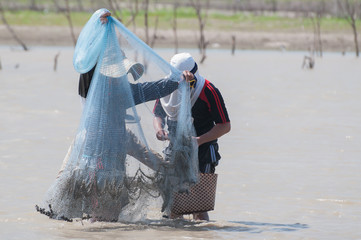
point(142, 92)
point(210, 116)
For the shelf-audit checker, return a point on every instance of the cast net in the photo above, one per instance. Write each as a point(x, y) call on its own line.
point(115, 164)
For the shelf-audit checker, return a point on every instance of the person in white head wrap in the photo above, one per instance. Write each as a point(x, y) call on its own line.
point(210, 117)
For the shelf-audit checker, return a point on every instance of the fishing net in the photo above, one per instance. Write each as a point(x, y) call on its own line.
point(115, 164)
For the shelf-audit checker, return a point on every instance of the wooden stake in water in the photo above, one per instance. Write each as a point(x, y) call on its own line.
point(56, 61)
point(233, 44)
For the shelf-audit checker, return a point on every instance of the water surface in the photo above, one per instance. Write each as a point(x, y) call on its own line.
point(290, 167)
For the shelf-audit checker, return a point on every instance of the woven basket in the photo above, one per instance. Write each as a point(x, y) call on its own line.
point(201, 197)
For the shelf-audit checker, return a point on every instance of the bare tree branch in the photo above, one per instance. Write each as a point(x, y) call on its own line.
point(174, 25)
point(154, 38)
point(146, 12)
point(317, 42)
point(202, 44)
point(320, 12)
point(68, 17)
point(274, 5)
point(57, 7)
point(114, 9)
point(233, 44)
point(33, 5)
point(351, 10)
point(56, 61)
point(92, 4)
point(80, 4)
point(133, 12)
point(149, 41)
point(316, 18)
point(11, 30)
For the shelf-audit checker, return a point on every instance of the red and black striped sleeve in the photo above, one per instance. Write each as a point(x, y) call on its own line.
point(216, 104)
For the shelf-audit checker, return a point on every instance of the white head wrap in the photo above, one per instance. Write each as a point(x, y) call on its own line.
point(170, 103)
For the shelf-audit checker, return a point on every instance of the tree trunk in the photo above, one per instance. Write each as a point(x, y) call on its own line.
point(320, 49)
point(154, 38)
point(274, 6)
point(80, 6)
point(92, 4)
point(33, 5)
point(355, 38)
point(56, 61)
point(11, 30)
point(175, 6)
point(67, 14)
point(314, 34)
point(68, 17)
point(202, 44)
point(114, 8)
point(146, 26)
point(233, 44)
point(133, 12)
point(351, 11)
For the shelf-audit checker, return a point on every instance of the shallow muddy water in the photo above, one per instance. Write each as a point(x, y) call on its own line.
point(290, 166)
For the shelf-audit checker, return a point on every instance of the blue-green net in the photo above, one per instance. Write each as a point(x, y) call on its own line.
point(115, 165)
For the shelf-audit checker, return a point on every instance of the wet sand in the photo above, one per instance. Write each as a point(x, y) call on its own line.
point(297, 40)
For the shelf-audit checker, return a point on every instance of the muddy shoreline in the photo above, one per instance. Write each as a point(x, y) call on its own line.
point(60, 36)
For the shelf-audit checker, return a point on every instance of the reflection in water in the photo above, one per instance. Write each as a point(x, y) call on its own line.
point(260, 227)
point(185, 225)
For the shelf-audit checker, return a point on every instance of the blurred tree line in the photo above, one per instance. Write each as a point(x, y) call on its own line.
point(315, 10)
point(296, 7)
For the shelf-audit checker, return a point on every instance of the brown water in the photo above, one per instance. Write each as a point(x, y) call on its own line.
point(290, 168)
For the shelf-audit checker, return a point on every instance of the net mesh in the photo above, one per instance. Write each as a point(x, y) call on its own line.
point(115, 164)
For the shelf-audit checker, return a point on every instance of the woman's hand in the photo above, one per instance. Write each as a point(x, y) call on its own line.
point(103, 17)
point(188, 76)
point(162, 135)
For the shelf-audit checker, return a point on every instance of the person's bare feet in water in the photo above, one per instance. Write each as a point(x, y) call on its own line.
point(201, 216)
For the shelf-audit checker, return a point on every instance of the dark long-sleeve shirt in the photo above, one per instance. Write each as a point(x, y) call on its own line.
point(142, 92)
